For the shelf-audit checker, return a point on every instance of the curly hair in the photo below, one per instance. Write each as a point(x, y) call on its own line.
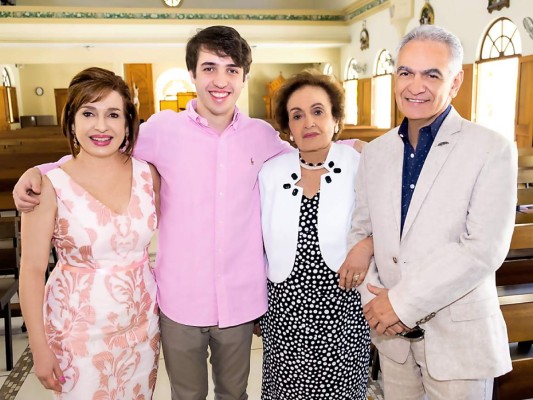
point(314, 78)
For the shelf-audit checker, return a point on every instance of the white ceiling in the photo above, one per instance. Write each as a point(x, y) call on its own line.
point(35, 40)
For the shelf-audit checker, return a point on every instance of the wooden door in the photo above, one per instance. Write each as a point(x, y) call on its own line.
point(463, 101)
point(61, 99)
point(524, 107)
point(364, 102)
point(4, 109)
point(140, 76)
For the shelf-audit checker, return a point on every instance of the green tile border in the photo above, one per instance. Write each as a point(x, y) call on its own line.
point(170, 16)
point(196, 16)
point(364, 9)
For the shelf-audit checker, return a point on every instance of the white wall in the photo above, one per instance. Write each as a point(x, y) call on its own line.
point(49, 77)
point(467, 19)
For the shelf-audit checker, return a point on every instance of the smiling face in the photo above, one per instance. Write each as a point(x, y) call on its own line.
point(219, 82)
point(100, 126)
point(424, 84)
point(311, 122)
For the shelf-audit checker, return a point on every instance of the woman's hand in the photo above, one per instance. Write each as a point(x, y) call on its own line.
point(353, 270)
point(47, 369)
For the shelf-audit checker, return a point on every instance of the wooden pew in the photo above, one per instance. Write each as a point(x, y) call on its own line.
point(25, 148)
point(6, 201)
point(42, 145)
point(366, 133)
point(32, 132)
point(525, 167)
point(516, 303)
point(515, 290)
point(518, 266)
point(524, 198)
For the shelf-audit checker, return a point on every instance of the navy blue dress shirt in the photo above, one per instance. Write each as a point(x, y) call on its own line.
point(413, 161)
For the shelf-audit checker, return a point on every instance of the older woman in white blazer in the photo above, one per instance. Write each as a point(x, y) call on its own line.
point(315, 338)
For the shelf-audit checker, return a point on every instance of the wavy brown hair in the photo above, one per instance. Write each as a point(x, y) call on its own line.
point(313, 78)
point(92, 85)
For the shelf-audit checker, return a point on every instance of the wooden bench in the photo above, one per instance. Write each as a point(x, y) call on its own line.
point(13, 165)
point(516, 303)
point(365, 133)
point(6, 201)
point(515, 291)
point(518, 266)
point(42, 145)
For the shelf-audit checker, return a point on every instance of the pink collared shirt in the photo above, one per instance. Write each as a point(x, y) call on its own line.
point(210, 266)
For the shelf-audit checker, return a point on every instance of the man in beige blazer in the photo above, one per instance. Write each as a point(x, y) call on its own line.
point(438, 195)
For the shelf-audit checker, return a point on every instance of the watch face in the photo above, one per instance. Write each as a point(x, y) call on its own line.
point(172, 3)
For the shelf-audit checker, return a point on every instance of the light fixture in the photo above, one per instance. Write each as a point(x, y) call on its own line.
point(172, 3)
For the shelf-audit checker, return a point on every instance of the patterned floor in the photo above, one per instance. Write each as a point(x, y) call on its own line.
point(16, 378)
point(22, 368)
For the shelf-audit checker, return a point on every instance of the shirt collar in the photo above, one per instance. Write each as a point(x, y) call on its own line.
point(432, 128)
point(191, 111)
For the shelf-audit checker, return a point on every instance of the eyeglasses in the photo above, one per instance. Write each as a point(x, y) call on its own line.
point(415, 333)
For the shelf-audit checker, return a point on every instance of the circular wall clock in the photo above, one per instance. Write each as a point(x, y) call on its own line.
point(172, 3)
point(39, 91)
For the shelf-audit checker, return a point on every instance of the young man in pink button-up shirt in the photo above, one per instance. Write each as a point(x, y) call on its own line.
point(210, 266)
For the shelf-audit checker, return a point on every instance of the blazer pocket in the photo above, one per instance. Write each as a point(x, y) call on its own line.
point(474, 310)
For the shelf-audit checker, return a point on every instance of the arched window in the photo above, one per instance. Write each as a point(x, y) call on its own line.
point(328, 69)
point(382, 90)
point(384, 64)
point(6, 80)
point(350, 92)
point(174, 89)
point(497, 74)
point(502, 39)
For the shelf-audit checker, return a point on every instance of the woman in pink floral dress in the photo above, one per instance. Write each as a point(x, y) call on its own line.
point(100, 337)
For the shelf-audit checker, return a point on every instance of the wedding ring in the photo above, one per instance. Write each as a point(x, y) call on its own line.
point(355, 277)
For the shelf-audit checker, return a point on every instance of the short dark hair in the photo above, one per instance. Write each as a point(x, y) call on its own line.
point(309, 78)
point(91, 85)
point(224, 41)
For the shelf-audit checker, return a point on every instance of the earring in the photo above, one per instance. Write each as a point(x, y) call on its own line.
point(291, 138)
point(75, 141)
point(336, 130)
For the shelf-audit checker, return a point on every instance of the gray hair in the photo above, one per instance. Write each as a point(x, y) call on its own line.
point(437, 34)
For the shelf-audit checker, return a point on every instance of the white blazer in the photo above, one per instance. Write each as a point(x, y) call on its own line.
point(280, 208)
point(441, 271)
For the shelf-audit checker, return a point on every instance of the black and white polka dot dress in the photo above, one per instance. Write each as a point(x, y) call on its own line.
point(315, 338)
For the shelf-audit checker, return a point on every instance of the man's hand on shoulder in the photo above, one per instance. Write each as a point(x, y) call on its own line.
point(27, 190)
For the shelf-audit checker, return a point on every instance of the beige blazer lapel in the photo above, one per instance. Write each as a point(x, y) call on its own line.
point(444, 143)
point(395, 167)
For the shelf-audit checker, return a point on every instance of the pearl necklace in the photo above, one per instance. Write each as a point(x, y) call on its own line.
point(304, 164)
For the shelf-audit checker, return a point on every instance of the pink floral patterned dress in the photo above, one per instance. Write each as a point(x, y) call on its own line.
point(101, 315)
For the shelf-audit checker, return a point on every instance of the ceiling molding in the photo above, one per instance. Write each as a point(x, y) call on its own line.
point(358, 10)
point(22, 13)
point(364, 8)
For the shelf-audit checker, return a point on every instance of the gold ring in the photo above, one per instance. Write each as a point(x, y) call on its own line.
point(355, 277)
